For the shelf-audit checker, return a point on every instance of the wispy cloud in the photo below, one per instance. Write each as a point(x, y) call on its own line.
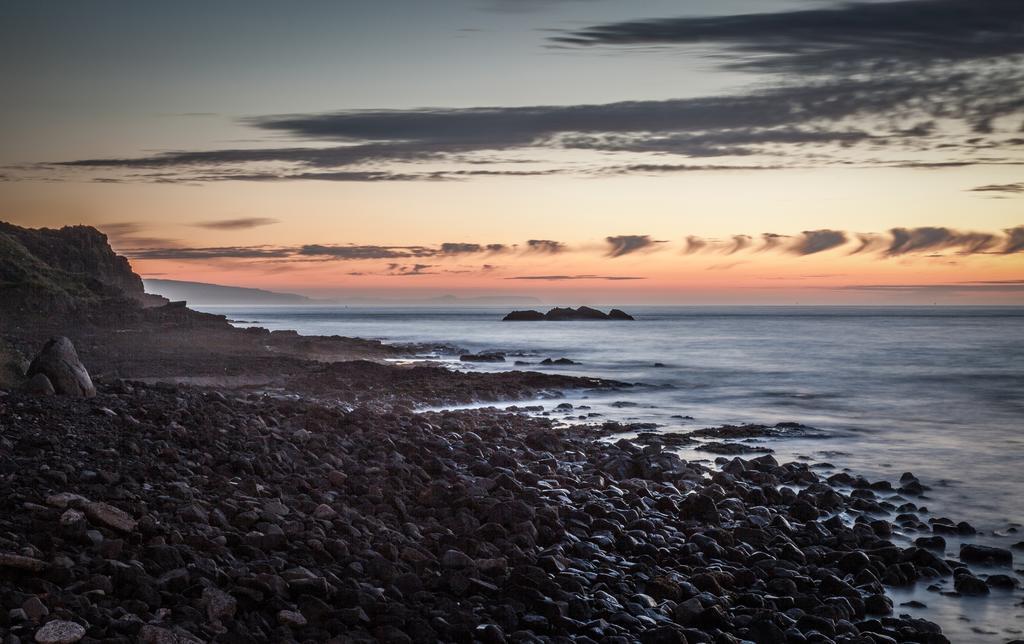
point(237, 224)
point(1001, 188)
point(619, 245)
point(220, 252)
point(562, 278)
point(459, 248)
point(357, 252)
point(923, 241)
point(896, 242)
point(545, 246)
point(817, 241)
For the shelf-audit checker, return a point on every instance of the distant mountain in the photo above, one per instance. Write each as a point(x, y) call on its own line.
point(200, 294)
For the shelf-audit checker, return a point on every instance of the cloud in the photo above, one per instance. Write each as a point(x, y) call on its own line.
point(1001, 188)
point(1014, 240)
point(724, 267)
point(458, 248)
point(770, 241)
point(816, 241)
point(220, 252)
point(561, 278)
point(897, 242)
point(356, 252)
point(120, 229)
point(916, 240)
point(413, 269)
point(771, 124)
point(694, 244)
point(620, 245)
point(921, 77)
point(852, 34)
point(546, 246)
point(237, 224)
point(664, 168)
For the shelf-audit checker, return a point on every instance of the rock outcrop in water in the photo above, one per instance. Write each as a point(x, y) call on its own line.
point(567, 314)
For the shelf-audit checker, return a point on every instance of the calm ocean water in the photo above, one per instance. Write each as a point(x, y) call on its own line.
point(938, 391)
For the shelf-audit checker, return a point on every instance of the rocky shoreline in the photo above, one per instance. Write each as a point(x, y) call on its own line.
point(335, 509)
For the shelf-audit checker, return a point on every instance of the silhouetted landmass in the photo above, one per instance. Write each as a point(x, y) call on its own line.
point(202, 294)
point(567, 314)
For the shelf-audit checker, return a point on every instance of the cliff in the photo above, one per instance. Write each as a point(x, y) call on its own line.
point(47, 270)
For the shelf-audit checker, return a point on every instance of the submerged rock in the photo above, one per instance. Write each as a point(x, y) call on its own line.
point(482, 357)
point(973, 553)
point(59, 362)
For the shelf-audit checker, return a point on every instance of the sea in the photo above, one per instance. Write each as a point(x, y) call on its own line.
point(937, 391)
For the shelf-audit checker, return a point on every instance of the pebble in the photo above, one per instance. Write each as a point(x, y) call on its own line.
point(60, 632)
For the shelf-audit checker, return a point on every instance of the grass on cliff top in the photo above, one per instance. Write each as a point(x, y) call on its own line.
point(23, 273)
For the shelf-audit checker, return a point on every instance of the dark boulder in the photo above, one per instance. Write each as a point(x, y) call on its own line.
point(619, 314)
point(973, 553)
point(59, 362)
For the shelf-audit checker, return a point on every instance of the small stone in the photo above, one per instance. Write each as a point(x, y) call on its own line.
point(110, 517)
point(219, 604)
point(34, 609)
point(454, 559)
point(60, 632)
point(291, 618)
point(73, 522)
point(65, 499)
point(336, 478)
point(324, 511)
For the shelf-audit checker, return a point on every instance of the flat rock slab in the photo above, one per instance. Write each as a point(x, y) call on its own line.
point(110, 516)
point(60, 632)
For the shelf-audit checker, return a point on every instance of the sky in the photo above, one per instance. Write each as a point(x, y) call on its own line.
point(578, 151)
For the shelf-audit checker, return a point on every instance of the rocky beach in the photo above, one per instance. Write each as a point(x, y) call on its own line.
point(224, 484)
